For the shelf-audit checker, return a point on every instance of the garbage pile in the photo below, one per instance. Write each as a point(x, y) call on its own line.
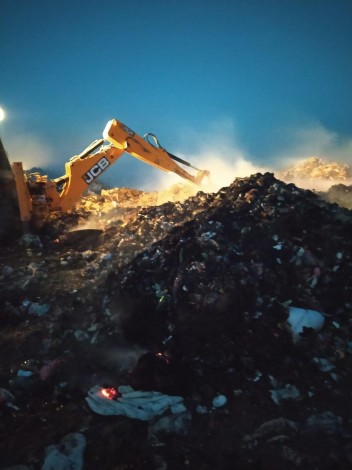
point(331, 180)
point(317, 168)
point(234, 307)
point(340, 194)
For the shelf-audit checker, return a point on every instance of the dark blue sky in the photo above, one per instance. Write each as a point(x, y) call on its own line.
point(269, 77)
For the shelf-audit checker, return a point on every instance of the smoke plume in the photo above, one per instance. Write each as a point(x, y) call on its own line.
point(29, 149)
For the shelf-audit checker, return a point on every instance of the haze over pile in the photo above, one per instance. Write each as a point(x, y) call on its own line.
point(220, 151)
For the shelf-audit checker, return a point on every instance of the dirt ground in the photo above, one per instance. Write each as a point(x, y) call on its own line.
point(193, 299)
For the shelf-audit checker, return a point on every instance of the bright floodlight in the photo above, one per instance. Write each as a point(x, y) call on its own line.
point(2, 114)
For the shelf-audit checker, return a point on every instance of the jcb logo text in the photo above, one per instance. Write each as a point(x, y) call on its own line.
point(96, 169)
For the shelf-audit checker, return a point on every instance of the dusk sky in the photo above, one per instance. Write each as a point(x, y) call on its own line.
point(260, 81)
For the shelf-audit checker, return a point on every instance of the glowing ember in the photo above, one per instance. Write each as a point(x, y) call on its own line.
point(110, 393)
point(163, 356)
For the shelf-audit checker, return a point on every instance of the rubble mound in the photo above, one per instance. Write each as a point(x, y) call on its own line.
point(211, 300)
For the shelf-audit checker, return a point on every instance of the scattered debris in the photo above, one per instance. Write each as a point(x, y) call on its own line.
point(288, 392)
point(275, 427)
point(219, 401)
point(68, 455)
point(237, 304)
point(6, 399)
point(325, 422)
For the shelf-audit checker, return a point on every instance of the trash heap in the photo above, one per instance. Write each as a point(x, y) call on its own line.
point(317, 168)
point(341, 194)
point(236, 303)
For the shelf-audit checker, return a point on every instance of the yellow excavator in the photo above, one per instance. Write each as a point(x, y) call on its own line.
point(38, 196)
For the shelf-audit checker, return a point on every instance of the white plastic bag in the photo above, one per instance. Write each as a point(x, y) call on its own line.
point(300, 318)
point(134, 403)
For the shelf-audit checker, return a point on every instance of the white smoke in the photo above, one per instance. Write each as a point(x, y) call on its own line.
point(216, 150)
point(313, 139)
point(29, 149)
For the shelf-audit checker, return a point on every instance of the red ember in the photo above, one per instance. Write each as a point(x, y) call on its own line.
point(163, 356)
point(110, 393)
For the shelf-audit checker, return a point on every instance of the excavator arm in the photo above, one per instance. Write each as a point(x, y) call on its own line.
point(123, 137)
point(38, 196)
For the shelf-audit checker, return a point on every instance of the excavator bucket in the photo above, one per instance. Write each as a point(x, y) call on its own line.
point(202, 177)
